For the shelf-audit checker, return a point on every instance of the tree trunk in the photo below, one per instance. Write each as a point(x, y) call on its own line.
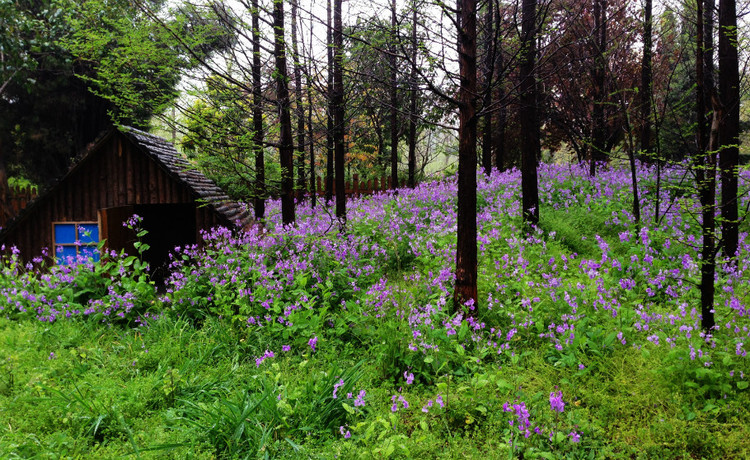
point(260, 168)
point(394, 98)
point(530, 144)
point(599, 137)
point(488, 71)
point(466, 249)
point(329, 115)
point(299, 107)
point(413, 101)
point(499, 135)
point(646, 91)
point(706, 179)
point(729, 128)
point(286, 142)
point(338, 110)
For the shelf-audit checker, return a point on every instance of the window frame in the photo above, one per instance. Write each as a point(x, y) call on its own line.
point(77, 244)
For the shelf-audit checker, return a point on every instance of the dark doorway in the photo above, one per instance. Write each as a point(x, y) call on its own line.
point(168, 226)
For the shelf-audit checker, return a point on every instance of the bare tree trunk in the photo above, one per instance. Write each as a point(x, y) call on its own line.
point(729, 129)
point(413, 101)
point(488, 71)
point(286, 142)
point(706, 178)
point(338, 110)
point(329, 117)
point(298, 105)
point(394, 99)
point(260, 168)
point(466, 249)
point(530, 144)
point(599, 137)
point(499, 135)
point(646, 90)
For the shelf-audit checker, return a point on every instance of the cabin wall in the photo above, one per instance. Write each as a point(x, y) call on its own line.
point(118, 175)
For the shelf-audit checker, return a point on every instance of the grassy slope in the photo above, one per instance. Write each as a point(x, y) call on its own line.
point(186, 389)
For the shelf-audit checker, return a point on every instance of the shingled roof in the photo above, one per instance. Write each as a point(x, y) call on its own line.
point(171, 161)
point(165, 154)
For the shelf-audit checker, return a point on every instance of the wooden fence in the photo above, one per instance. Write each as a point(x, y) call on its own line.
point(355, 187)
point(18, 199)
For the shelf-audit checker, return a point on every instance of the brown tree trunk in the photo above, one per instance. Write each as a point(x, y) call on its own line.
point(394, 98)
point(530, 144)
point(413, 101)
point(286, 142)
point(329, 115)
point(706, 179)
point(466, 249)
point(499, 134)
point(599, 135)
point(260, 168)
point(488, 71)
point(298, 105)
point(729, 128)
point(338, 110)
point(646, 91)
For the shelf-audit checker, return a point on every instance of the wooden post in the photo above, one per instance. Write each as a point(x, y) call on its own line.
point(356, 184)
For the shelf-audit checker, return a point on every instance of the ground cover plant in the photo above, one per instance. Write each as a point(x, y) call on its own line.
point(309, 342)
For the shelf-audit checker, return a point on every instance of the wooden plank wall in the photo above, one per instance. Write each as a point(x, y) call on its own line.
point(102, 180)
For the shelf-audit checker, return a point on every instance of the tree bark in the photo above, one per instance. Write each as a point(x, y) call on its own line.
point(338, 111)
point(329, 115)
point(599, 135)
point(488, 73)
point(646, 91)
point(466, 249)
point(298, 105)
point(530, 144)
point(394, 98)
point(413, 101)
point(706, 179)
point(260, 168)
point(286, 141)
point(729, 128)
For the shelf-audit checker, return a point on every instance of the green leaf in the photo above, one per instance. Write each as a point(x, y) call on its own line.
point(348, 408)
point(742, 384)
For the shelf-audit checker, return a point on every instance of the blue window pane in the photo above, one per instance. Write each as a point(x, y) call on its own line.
point(89, 252)
point(66, 255)
point(88, 233)
point(65, 233)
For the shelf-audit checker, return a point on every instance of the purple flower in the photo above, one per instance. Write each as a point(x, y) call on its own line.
point(347, 434)
point(556, 402)
point(574, 436)
point(409, 377)
point(313, 342)
point(336, 387)
point(360, 401)
point(285, 348)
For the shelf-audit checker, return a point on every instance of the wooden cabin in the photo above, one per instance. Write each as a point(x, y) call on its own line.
point(123, 173)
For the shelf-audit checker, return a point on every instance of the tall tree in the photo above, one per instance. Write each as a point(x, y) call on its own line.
point(337, 100)
point(466, 249)
point(286, 142)
point(394, 97)
point(331, 109)
point(530, 143)
point(260, 167)
point(488, 70)
point(299, 107)
point(705, 165)
point(413, 93)
point(729, 98)
point(646, 90)
point(599, 135)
